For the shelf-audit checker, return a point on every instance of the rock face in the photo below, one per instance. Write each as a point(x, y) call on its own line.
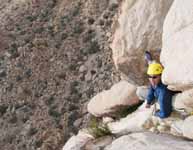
point(139, 29)
point(149, 141)
point(121, 94)
point(184, 100)
point(133, 122)
point(77, 142)
point(177, 48)
point(99, 143)
point(187, 127)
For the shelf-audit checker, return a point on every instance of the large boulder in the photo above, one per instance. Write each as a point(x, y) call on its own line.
point(78, 142)
point(143, 119)
point(120, 95)
point(99, 143)
point(149, 141)
point(177, 47)
point(139, 28)
point(188, 127)
point(133, 122)
point(183, 101)
point(176, 128)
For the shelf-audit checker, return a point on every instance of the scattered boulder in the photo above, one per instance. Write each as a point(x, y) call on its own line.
point(82, 69)
point(106, 102)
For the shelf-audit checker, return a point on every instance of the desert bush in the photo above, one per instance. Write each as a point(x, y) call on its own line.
point(97, 128)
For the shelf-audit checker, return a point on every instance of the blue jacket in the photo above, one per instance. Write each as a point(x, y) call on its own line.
point(164, 97)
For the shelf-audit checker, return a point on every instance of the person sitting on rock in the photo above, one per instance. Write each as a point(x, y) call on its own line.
point(156, 90)
point(159, 91)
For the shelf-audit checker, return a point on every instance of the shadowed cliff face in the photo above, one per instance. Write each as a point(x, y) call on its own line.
point(54, 56)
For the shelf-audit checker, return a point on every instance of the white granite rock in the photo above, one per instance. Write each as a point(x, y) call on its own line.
point(177, 47)
point(188, 127)
point(78, 142)
point(139, 28)
point(135, 122)
point(183, 101)
point(121, 94)
point(149, 141)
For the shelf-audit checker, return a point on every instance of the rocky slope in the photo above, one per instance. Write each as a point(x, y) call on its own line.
point(54, 57)
point(147, 25)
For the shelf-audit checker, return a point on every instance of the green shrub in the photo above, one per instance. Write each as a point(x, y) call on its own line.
point(38, 143)
point(51, 4)
point(72, 67)
point(31, 18)
point(49, 101)
point(13, 50)
point(32, 131)
point(93, 47)
point(78, 28)
point(3, 109)
point(97, 128)
point(38, 30)
point(88, 36)
point(54, 113)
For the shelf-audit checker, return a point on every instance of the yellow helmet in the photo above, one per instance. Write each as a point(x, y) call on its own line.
point(154, 69)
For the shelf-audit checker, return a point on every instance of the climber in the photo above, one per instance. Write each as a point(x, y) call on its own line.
point(156, 90)
point(159, 91)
